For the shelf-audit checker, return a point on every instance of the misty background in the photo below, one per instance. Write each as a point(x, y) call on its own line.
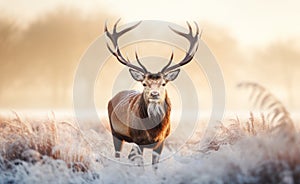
point(38, 59)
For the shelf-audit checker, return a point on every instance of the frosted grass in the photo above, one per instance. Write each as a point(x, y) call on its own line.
point(51, 150)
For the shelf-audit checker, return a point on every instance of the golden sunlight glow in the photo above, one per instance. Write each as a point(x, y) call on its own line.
point(251, 40)
point(252, 22)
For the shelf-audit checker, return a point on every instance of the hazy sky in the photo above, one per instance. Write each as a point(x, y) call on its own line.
point(251, 40)
point(253, 22)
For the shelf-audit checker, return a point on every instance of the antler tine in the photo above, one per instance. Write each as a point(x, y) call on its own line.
point(139, 62)
point(178, 32)
point(105, 26)
point(197, 28)
point(114, 36)
point(169, 63)
point(129, 28)
point(115, 26)
point(190, 27)
point(193, 40)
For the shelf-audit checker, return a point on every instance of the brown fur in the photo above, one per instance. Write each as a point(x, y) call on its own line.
point(137, 107)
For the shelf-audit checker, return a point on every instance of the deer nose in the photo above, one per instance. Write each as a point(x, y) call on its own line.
point(154, 94)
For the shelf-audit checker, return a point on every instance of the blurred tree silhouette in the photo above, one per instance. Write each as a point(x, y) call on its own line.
point(44, 56)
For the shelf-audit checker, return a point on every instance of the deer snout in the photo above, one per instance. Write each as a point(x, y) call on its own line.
point(154, 94)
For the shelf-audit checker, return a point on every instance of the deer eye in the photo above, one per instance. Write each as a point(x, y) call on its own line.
point(144, 84)
point(163, 84)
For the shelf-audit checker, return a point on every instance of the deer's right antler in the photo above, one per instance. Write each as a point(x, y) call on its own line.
point(114, 36)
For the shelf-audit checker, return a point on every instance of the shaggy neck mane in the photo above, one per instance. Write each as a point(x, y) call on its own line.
point(154, 111)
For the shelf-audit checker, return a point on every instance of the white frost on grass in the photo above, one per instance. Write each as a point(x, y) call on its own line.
point(235, 155)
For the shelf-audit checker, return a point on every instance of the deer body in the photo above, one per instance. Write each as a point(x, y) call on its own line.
point(130, 122)
point(144, 118)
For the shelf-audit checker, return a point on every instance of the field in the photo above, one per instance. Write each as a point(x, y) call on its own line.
point(51, 148)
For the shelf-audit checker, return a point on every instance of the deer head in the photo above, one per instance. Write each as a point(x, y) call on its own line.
point(154, 83)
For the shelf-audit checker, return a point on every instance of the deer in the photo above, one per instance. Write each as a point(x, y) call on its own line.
point(143, 117)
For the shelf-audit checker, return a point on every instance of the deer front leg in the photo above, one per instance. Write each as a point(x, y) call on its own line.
point(118, 146)
point(136, 155)
point(156, 154)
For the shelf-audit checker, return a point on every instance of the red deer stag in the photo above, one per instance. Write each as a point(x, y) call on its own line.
point(144, 118)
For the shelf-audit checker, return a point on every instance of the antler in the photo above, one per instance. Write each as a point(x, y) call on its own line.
point(192, 49)
point(114, 36)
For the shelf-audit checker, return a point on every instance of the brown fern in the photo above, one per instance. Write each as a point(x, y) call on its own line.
point(274, 112)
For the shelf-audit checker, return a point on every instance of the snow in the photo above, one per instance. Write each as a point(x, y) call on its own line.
point(87, 156)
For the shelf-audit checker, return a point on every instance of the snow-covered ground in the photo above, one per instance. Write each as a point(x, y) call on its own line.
point(237, 152)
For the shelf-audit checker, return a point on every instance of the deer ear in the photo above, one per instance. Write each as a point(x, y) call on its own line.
point(136, 75)
point(172, 75)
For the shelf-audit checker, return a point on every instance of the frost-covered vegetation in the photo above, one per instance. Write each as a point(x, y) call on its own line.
point(263, 148)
